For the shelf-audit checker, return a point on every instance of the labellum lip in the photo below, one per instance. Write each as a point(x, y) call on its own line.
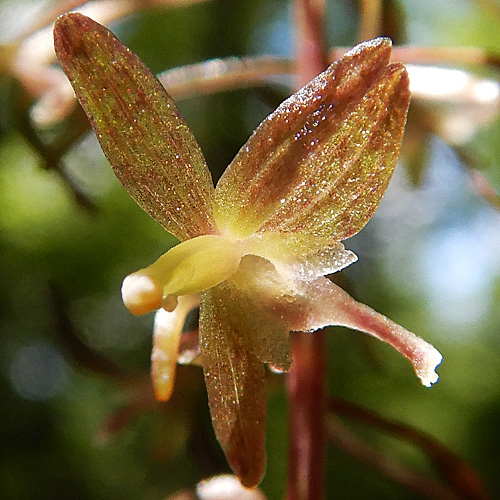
point(329, 304)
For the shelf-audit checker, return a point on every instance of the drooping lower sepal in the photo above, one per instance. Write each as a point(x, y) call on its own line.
point(234, 377)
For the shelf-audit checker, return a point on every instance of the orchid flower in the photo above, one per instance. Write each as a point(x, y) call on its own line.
point(258, 246)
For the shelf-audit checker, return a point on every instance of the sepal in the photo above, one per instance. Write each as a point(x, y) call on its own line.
point(234, 377)
point(320, 164)
point(151, 149)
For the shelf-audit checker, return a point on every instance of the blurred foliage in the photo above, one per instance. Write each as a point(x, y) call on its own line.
point(429, 259)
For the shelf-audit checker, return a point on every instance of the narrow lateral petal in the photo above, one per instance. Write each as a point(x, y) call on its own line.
point(322, 161)
point(147, 142)
point(329, 305)
point(235, 385)
point(166, 339)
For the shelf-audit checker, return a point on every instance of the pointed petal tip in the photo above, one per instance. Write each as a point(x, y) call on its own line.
point(249, 471)
point(69, 33)
point(374, 43)
point(75, 18)
point(66, 23)
point(399, 72)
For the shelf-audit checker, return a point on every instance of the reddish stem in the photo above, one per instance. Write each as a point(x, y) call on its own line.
point(310, 47)
point(306, 382)
point(306, 394)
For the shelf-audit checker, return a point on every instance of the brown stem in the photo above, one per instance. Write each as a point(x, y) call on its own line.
point(306, 382)
point(306, 395)
point(310, 48)
point(217, 75)
point(50, 13)
point(367, 454)
point(106, 10)
point(483, 188)
point(371, 19)
point(480, 185)
point(462, 480)
point(446, 56)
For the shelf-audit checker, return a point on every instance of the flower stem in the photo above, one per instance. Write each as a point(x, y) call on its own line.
point(306, 393)
point(306, 382)
point(371, 19)
point(310, 48)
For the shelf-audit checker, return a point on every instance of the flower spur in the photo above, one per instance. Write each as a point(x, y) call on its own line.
point(258, 246)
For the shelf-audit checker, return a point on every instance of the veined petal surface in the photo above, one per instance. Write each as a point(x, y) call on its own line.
point(147, 142)
point(322, 161)
point(235, 384)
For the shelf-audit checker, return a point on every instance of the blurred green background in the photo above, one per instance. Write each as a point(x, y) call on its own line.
point(74, 425)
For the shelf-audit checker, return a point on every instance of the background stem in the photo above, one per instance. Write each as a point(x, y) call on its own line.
point(306, 381)
point(306, 394)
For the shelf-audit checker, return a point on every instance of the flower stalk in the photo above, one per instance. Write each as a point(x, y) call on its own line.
point(306, 380)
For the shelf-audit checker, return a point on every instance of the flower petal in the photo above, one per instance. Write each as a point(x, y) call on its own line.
point(298, 256)
point(259, 301)
point(166, 338)
point(235, 384)
point(147, 142)
point(329, 305)
point(322, 161)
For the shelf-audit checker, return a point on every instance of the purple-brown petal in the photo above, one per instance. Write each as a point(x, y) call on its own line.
point(235, 384)
point(320, 164)
point(147, 142)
